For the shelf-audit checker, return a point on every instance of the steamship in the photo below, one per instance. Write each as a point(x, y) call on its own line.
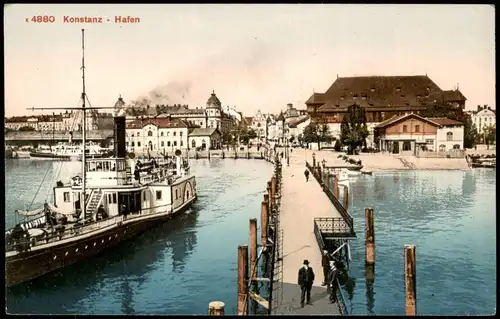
point(113, 200)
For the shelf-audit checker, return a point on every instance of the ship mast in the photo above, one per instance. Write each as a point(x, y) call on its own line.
point(84, 129)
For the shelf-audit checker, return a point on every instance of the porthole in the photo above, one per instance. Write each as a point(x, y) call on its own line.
point(102, 241)
point(55, 257)
point(109, 238)
point(86, 246)
point(94, 244)
point(116, 235)
point(66, 254)
point(76, 250)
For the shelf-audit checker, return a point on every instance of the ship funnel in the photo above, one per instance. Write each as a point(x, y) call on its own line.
point(119, 137)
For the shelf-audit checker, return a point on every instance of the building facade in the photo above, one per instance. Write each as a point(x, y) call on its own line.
point(382, 97)
point(67, 121)
point(210, 116)
point(205, 138)
point(406, 134)
point(156, 135)
point(483, 117)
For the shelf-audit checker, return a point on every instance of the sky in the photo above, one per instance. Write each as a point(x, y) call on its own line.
point(254, 56)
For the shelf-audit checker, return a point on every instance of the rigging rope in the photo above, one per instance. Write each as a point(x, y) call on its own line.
point(38, 190)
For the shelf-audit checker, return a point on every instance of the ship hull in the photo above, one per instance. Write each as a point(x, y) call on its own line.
point(53, 157)
point(30, 265)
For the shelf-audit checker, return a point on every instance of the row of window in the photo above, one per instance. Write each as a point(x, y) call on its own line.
point(87, 246)
point(162, 143)
point(150, 133)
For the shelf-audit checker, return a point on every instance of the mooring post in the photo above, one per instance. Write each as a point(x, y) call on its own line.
point(253, 260)
point(242, 279)
point(411, 280)
point(336, 186)
point(216, 308)
point(346, 197)
point(270, 199)
point(369, 236)
point(208, 154)
point(273, 185)
point(264, 222)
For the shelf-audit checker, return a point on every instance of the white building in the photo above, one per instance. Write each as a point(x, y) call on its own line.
point(297, 125)
point(156, 135)
point(209, 116)
point(406, 134)
point(484, 116)
point(205, 138)
point(450, 134)
point(67, 121)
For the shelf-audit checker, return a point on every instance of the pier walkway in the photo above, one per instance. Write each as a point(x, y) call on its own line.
point(301, 203)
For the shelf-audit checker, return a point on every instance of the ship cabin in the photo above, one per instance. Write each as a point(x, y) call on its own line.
point(119, 186)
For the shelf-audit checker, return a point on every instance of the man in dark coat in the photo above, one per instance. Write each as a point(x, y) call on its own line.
point(325, 263)
point(332, 282)
point(306, 174)
point(306, 279)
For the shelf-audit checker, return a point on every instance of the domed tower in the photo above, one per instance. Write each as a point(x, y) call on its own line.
point(119, 107)
point(213, 111)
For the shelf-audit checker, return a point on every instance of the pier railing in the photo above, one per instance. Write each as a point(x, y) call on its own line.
point(315, 171)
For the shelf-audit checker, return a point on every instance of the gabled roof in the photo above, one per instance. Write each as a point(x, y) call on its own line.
point(298, 120)
point(453, 96)
point(204, 132)
point(393, 120)
point(158, 122)
point(391, 91)
point(444, 121)
point(316, 98)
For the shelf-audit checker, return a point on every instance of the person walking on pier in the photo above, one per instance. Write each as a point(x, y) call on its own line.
point(325, 263)
point(306, 279)
point(306, 174)
point(332, 282)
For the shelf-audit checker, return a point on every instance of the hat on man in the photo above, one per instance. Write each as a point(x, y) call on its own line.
point(306, 262)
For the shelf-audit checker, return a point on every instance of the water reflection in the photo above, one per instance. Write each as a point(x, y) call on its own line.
point(369, 280)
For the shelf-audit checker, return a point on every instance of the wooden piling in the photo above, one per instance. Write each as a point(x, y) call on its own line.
point(264, 222)
point(270, 199)
point(336, 186)
point(216, 308)
point(242, 279)
point(346, 197)
point(410, 280)
point(253, 260)
point(208, 154)
point(369, 236)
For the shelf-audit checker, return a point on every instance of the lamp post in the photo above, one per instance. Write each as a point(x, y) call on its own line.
point(314, 159)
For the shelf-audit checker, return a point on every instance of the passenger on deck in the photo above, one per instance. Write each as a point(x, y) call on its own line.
point(332, 282)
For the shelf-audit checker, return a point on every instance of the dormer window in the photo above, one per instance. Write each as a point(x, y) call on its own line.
point(418, 96)
point(398, 89)
point(373, 90)
point(371, 104)
point(428, 88)
point(355, 96)
point(363, 97)
point(402, 95)
point(342, 97)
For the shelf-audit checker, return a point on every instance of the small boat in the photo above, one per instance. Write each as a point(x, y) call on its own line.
point(67, 152)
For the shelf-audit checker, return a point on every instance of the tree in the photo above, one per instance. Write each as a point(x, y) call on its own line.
point(291, 139)
point(325, 134)
point(251, 133)
point(489, 133)
point(353, 130)
point(457, 114)
point(310, 134)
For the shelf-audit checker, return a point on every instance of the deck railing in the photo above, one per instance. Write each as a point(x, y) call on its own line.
point(80, 229)
point(342, 211)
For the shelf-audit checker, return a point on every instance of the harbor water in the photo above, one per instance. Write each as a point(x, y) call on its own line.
point(182, 265)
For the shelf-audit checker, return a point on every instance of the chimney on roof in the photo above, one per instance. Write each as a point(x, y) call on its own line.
point(479, 108)
point(458, 85)
point(289, 106)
